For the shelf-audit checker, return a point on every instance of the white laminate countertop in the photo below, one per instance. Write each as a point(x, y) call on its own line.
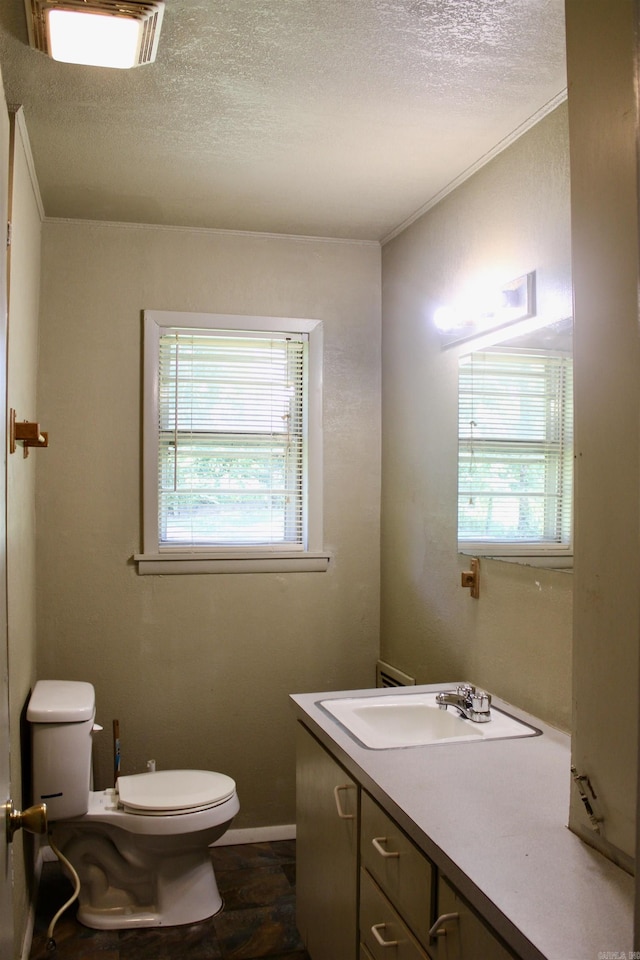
point(492, 815)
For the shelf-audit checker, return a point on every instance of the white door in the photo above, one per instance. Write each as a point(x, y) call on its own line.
point(6, 913)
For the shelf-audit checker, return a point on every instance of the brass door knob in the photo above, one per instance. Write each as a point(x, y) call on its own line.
point(33, 819)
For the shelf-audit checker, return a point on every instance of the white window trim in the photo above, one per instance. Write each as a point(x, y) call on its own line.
point(157, 559)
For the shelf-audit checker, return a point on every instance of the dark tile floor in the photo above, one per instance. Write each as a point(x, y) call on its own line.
point(257, 884)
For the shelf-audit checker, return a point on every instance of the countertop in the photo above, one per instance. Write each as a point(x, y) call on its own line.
point(492, 816)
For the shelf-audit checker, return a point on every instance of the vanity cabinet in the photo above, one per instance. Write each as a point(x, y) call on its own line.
point(327, 818)
point(363, 888)
point(461, 934)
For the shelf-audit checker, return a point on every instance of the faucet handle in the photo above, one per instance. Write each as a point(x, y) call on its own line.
point(480, 700)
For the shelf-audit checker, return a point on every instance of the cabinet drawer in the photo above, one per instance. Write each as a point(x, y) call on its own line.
point(382, 932)
point(400, 869)
point(465, 938)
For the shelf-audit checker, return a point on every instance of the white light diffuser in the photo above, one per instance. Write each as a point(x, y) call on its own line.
point(100, 33)
point(95, 39)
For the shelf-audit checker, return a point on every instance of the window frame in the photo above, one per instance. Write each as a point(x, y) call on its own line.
point(538, 552)
point(159, 558)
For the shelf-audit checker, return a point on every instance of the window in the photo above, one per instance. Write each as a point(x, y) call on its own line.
point(232, 444)
point(515, 452)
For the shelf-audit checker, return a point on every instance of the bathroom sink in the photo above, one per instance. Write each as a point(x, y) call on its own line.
point(414, 719)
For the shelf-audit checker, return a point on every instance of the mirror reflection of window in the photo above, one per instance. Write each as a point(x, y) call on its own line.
point(515, 447)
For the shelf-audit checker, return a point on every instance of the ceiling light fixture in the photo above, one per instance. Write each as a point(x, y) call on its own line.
point(97, 33)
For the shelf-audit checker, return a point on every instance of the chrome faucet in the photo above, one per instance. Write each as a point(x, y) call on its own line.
point(473, 703)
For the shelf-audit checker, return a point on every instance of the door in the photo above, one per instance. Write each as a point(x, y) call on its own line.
point(6, 913)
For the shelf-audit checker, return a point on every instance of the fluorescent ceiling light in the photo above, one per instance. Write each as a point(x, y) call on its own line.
point(100, 33)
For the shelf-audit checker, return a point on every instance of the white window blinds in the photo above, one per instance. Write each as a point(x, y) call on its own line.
point(232, 438)
point(515, 455)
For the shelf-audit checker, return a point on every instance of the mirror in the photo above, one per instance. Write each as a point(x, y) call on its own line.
point(515, 449)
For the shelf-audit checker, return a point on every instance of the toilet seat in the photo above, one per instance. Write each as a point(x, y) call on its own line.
point(171, 792)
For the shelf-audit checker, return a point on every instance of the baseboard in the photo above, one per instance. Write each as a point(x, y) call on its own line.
point(286, 831)
point(27, 940)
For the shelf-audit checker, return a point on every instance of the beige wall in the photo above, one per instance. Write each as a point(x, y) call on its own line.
point(603, 113)
point(510, 218)
point(21, 479)
point(198, 668)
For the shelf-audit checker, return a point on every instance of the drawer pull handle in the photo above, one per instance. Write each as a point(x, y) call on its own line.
point(377, 845)
point(341, 813)
point(375, 930)
point(439, 931)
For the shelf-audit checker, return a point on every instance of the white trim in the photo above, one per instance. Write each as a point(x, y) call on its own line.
point(185, 560)
point(21, 127)
point(502, 550)
point(214, 231)
point(559, 564)
point(180, 564)
point(286, 831)
point(230, 321)
point(44, 853)
point(506, 142)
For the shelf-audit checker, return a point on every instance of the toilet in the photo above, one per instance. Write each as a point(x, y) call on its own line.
point(140, 849)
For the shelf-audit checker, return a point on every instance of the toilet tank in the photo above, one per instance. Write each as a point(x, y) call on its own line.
point(61, 714)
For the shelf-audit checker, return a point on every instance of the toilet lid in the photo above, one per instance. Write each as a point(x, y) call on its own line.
point(174, 791)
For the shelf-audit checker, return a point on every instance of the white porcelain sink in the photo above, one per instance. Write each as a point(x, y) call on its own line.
point(414, 719)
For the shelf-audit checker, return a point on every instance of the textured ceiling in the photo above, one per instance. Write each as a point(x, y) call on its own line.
point(337, 118)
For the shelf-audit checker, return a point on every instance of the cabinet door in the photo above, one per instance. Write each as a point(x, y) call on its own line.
point(464, 936)
point(382, 930)
point(326, 853)
point(402, 871)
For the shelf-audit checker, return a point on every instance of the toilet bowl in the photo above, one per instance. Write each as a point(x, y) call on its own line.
point(140, 849)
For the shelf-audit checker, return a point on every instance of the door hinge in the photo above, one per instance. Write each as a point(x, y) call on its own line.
point(9, 226)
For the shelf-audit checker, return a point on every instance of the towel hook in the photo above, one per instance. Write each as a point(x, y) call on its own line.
point(25, 432)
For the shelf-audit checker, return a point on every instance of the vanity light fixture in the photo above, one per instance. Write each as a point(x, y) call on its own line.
point(479, 313)
point(97, 33)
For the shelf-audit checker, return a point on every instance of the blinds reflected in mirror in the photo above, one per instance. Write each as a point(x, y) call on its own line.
point(515, 451)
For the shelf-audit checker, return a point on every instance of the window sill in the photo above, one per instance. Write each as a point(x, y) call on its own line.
point(162, 564)
point(560, 564)
point(563, 564)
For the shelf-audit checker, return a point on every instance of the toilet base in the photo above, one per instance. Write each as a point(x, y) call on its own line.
point(178, 902)
point(136, 881)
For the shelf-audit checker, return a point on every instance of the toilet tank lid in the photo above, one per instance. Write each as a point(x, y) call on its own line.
point(61, 701)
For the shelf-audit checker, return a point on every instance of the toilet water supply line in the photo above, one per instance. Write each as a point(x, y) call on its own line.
point(51, 944)
point(116, 751)
point(151, 766)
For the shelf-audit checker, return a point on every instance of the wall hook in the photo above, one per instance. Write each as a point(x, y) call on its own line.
point(25, 432)
point(471, 578)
